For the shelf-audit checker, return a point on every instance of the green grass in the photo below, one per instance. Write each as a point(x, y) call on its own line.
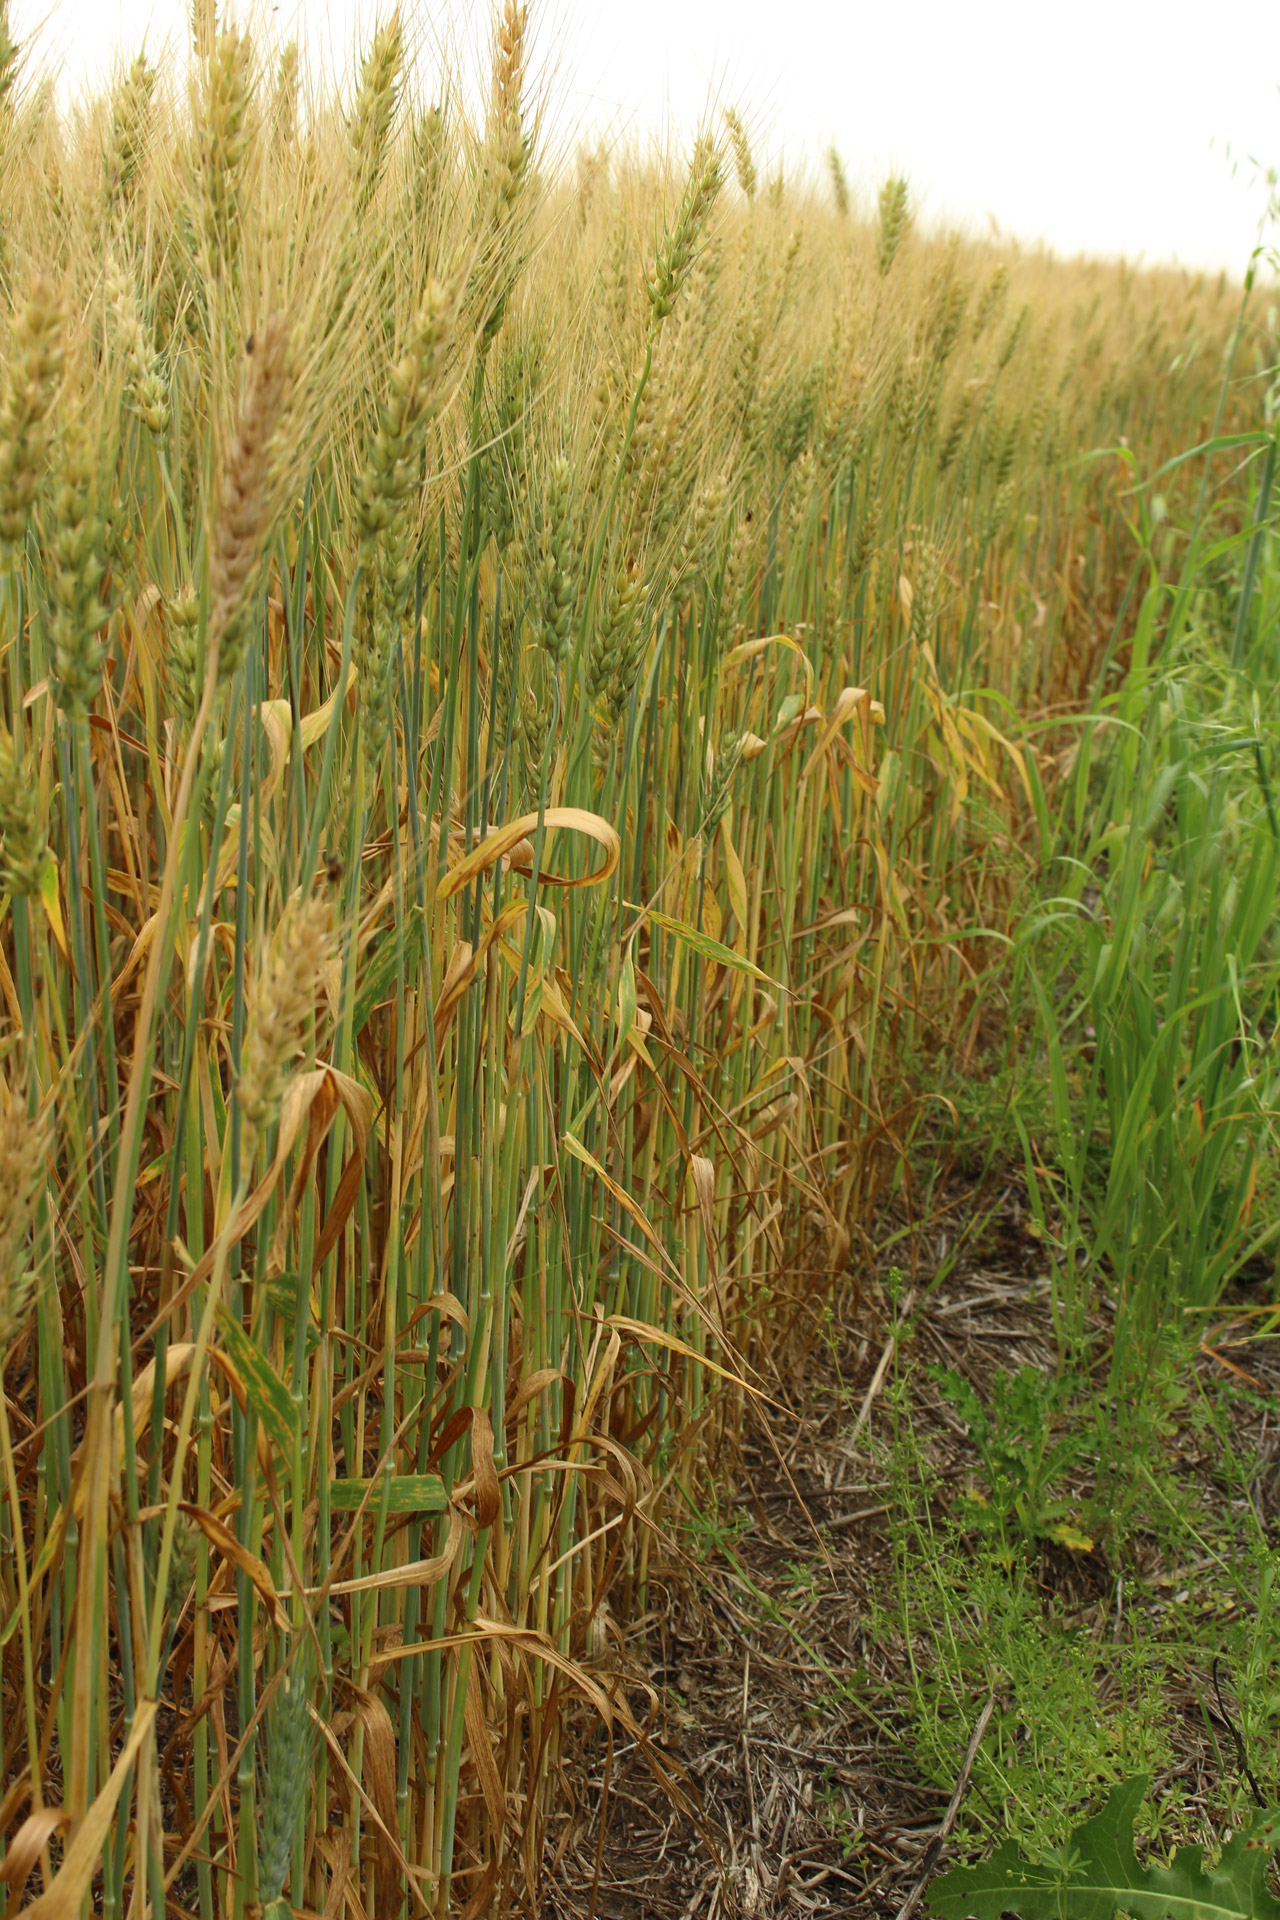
point(1178, 1580)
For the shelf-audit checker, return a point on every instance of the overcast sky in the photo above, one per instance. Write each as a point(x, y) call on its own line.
point(1106, 126)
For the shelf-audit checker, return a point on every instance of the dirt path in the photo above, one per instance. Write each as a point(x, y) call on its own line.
point(762, 1652)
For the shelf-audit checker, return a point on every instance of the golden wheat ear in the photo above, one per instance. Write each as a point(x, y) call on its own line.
point(246, 499)
point(281, 1002)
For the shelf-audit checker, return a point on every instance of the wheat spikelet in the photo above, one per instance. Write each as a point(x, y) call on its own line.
point(1050, 435)
point(242, 521)
point(735, 579)
point(718, 772)
point(705, 523)
point(182, 1566)
point(204, 23)
point(77, 567)
point(284, 104)
point(1013, 339)
point(536, 714)
point(182, 622)
point(286, 1776)
point(895, 218)
point(429, 143)
point(415, 386)
point(375, 110)
point(145, 387)
point(383, 493)
point(505, 466)
point(743, 159)
point(9, 53)
point(35, 373)
point(126, 146)
point(926, 594)
point(281, 1001)
point(839, 182)
point(991, 300)
point(506, 161)
point(796, 412)
point(946, 303)
point(9, 67)
point(552, 567)
point(617, 642)
point(909, 398)
point(222, 137)
point(23, 1145)
point(593, 172)
point(1006, 450)
point(24, 846)
point(679, 245)
point(508, 157)
point(958, 425)
point(864, 545)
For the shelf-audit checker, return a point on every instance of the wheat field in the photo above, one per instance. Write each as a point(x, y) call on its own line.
point(520, 702)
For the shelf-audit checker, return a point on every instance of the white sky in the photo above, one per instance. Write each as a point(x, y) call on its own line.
point(1106, 126)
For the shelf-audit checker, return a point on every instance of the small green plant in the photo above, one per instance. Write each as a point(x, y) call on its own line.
point(1025, 1453)
point(803, 1584)
point(1076, 1711)
point(835, 1813)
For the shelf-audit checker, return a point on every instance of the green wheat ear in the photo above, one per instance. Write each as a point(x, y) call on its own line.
point(286, 1773)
